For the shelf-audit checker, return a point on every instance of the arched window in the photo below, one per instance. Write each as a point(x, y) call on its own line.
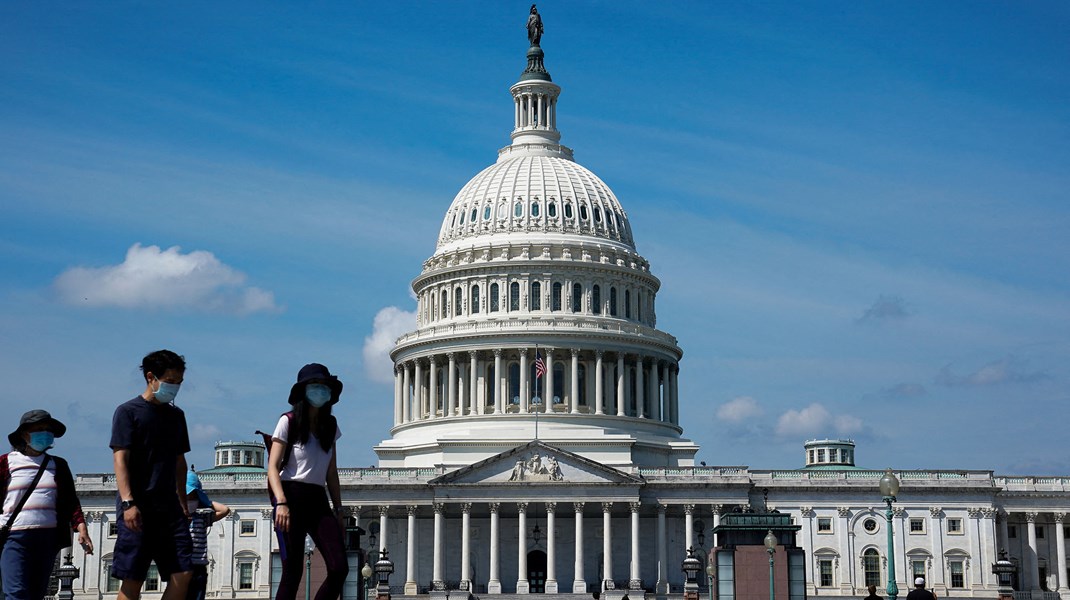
point(462, 216)
point(612, 301)
point(639, 306)
point(518, 209)
point(568, 210)
point(474, 300)
point(494, 297)
point(627, 304)
point(596, 300)
point(871, 566)
point(551, 209)
point(534, 209)
point(502, 210)
point(583, 212)
point(577, 297)
point(453, 222)
point(597, 214)
point(486, 213)
point(555, 296)
point(514, 296)
point(472, 218)
point(444, 305)
point(458, 296)
point(536, 296)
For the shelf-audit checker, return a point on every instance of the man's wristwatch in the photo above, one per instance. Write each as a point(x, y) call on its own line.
point(125, 504)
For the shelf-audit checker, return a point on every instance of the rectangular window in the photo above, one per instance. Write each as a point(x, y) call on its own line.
point(833, 455)
point(954, 526)
point(113, 529)
point(152, 579)
point(824, 566)
point(235, 457)
point(248, 527)
point(917, 525)
point(1040, 532)
point(113, 583)
point(726, 575)
point(917, 567)
point(958, 580)
point(824, 524)
point(225, 456)
point(821, 455)
point(245, 576)
point(811, 457)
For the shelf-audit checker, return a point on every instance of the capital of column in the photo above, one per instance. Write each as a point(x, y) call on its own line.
point(522, 351)
point(717, 509)
point(411, 510)
point(1031, 517)
point(973, 512)
point(522, 507)
point(689, 509)
point(494, 506)
point(497, 352)
point(433, 360)
point(607, 507)
point(661, 508)
point(384, 510)
point(551, 507)
point(989, 512)
point(935, 511)
point(265, 513)
point(898, 511)
point(1058, 517)
point(634, 506)
point(575, 352)
point(440, 507)
point(578, 506)
point(843, 511)
point(466, 507)
point(806, 511)
point(599, 353)
point(473, 354)
point(96, 515)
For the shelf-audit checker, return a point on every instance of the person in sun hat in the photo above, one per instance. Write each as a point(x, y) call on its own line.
point(202, 513)
point(302, 473)
point(43, 524)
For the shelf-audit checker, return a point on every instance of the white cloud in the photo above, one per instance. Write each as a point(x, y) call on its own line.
point(816, 420)
point(739, 409)
point(203, 434)
point(390, 323)
point(150, 278)
point(1005, 370)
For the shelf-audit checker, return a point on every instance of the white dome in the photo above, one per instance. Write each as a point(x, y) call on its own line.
point(536, 194)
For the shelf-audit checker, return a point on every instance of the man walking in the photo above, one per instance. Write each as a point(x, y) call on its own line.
point(919, 592)
point(149, 442)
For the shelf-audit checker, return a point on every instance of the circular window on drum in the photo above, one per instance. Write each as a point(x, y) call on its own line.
point(870, 525)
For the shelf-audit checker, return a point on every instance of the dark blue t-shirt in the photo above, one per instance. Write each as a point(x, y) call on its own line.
point(155, 436)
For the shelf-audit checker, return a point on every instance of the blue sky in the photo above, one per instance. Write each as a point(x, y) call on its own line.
point(858, 211)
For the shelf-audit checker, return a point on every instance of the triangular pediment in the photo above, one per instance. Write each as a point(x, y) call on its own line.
point(536, 463)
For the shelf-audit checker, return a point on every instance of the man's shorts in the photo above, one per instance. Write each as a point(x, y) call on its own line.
point(164, 538)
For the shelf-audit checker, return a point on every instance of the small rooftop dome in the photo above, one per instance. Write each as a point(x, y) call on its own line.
point(830, 454)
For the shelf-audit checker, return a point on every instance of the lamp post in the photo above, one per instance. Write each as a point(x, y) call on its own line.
point(66, 574)
point(366, 573)
point(383, 568)
point(691, 566)
point(309, 547)
point(770, 547)
point(1004, 571)
point(889, 488)
point(710, 572)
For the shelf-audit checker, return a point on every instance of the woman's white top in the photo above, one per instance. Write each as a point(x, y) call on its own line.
point(40, 509)
point(309, 462)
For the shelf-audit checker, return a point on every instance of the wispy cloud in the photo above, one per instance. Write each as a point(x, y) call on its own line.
point(739, 409)
point(902, 391)
point(816, 420)
point(390, 323)
point(1002, 371)
point(202, 433)
point(150, 278)
point(886, 308)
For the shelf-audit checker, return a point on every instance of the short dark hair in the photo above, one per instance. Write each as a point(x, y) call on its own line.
point(162, 361)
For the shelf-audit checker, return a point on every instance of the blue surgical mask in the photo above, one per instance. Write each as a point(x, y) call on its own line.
point(317, 394)
point(167, 391)
point(41, 440)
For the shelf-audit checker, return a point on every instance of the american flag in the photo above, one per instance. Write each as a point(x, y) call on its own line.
point(540, 365)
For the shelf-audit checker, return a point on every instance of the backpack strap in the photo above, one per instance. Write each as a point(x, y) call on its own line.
point(289, 439)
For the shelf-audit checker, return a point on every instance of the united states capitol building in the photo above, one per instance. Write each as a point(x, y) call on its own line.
point(537, 444)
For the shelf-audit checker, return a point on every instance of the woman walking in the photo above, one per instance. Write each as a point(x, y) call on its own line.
point(40, 507)
point(302, 472)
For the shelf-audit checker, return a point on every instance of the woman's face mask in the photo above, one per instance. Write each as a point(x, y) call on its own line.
point(317, 394)
point(41, 440)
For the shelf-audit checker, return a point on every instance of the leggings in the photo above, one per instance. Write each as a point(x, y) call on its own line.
point(311, 514)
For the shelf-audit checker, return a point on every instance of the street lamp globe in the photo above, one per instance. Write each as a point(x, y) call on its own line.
point(770, 541)
point(889, 484)
point(366, 571)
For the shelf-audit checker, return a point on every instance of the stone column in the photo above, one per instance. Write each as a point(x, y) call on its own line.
point(676, 395)
point(521, 548)
point(662, 586)
point(418, 391)
point(846, 558)
point(599, 392)
point(652, 391)
point(689, 527)
point(451, 385)
point(498, 381)
point(548, 395)
point(397, 396)
point(406, 393)
point(610, 391)
point(635, 582)
point(525, 387)
point(383, 512)
point(433, 388)
point(640, 398)
point(1004, 534)
point(410, 553)
point(574, 401)
point(936, 531)
point(977, 550)
point(716, 509)
point(620, 384)
point(1060, 548)
point(551, 549)
point(436, 573)
point(1031, 564)
point(607, 543)
point(466, 545)
point(473, 384)
point(666, 394)
point(579, 585)
point(494, 584)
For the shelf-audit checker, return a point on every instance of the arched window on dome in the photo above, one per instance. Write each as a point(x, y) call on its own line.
point(444, 305)
point(551, 209)
point(514, 296)
point(577, 297)
point(458, 297)
point(639, 306)
point(555, 296)
point(535, 208)
point(568, 210)
point(597, 214)
point(596, 300)
point(502, 211)
point(453, 222)
point(494, 297)
point(486, 213)
point(536, 296)
point(474, 300)
point(612, 301)
point(518, 209)
point(583, 212)
point(461, 214)
point(627, 304)
point(472, 217)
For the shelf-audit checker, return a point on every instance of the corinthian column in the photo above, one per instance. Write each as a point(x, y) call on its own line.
point(548, 395)
point(521, 548)
point(451, 385)
point(663, 577)
point(607, 543)
point(498, 381)
point(473, 384)
point(436, 576)
point(434, 388)
point(635, 582)
point(418, 390)
point(1060, 549)
point(466, 545)
point(599, 392)
point(574, 402)
point(494, 584)
point(406, 394)
point(620, 384)
point(551, 549)
point(525, 388)
point(640, 400)
point(579, 585)
point(410, 553)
